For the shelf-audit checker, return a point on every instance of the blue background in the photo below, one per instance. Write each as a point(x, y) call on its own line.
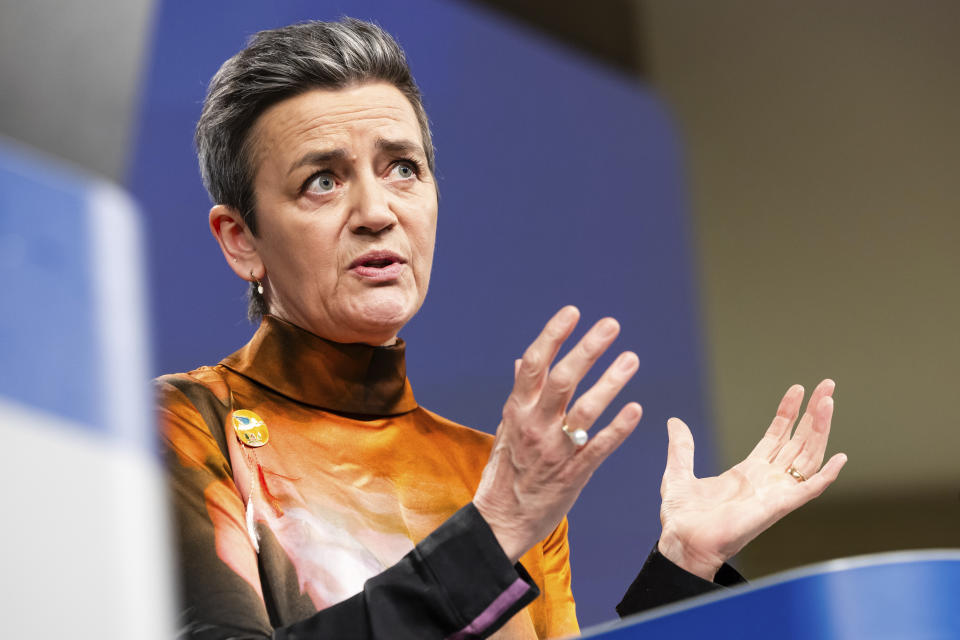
point(561, 183)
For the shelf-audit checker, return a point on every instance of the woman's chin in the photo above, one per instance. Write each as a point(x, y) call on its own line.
point(379, 321)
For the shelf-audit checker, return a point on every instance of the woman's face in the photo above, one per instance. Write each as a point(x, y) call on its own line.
point(346, 211)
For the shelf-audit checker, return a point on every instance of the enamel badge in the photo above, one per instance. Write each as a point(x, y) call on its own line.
point(250, 428)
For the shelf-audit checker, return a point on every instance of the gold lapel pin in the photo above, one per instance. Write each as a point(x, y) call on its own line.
point(250, 428)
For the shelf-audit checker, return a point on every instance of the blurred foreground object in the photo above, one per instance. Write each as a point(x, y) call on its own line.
point(906, 594)
point(85, 533)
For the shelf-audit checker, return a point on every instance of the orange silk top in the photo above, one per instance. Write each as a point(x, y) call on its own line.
point(353, 475)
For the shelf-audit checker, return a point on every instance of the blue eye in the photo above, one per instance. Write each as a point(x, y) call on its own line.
point(404, 170)
point(322, 183)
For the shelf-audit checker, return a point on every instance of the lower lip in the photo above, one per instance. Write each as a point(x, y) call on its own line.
point(379, 274)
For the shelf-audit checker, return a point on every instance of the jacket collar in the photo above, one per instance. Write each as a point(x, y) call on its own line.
point(345, 378)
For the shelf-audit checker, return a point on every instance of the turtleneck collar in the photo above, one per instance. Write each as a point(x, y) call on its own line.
point(345, 378)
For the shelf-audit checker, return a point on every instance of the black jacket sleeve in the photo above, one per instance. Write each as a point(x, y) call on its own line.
point(457, 583)
point(661, 582)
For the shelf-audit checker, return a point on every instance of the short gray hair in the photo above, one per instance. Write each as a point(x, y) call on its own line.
point(278, 64)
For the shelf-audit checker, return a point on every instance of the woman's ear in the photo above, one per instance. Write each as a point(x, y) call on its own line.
point(236, 242)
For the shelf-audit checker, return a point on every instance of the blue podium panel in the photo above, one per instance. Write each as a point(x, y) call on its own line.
point(85, 498)
point(910, 595)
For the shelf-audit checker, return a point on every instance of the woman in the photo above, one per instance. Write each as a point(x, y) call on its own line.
point(314, 497)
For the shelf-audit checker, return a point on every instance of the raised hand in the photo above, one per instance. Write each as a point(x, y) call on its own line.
point(706, 521)
point(535, 471)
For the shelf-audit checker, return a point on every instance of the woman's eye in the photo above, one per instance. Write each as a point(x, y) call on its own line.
point(404, 170)
point(322, 183)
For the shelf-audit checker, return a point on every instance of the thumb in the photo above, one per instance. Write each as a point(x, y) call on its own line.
point(679, 450)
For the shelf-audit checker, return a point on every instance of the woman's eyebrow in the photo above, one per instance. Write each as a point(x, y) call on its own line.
point(318, 158)
point(399, 147)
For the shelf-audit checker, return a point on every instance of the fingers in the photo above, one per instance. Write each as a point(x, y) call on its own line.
point(818, 483)
point(679, 451)
point(823, 390)
point(563, 379)
point(595, 400)
point(779, 430)
point(814, 446)
point(785, 457)
point(610, 437)
point(539, 355)
point(806, 448)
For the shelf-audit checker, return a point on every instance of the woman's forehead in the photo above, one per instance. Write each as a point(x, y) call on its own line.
point(338, 119)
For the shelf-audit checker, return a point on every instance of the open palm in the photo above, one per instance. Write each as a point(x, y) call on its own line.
point(706, 521)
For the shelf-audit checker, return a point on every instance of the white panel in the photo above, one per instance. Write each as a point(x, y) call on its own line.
point(84, 538)
point(118, 255)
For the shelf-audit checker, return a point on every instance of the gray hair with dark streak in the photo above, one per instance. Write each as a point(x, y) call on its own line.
point(278, 64)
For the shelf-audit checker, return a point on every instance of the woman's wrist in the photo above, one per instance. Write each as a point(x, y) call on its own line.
point(699, 564)
point(512, 547)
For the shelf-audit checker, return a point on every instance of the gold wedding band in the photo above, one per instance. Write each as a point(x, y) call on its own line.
point(578, 437)
point(796, 475)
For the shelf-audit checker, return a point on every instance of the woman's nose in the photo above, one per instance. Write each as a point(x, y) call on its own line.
point(370, 209)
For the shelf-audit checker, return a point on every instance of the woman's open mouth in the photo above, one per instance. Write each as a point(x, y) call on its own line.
point(378, 266)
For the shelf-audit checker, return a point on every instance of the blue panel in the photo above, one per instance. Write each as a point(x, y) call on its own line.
point(560, 183)
point(910, 596)
point(47, 333)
